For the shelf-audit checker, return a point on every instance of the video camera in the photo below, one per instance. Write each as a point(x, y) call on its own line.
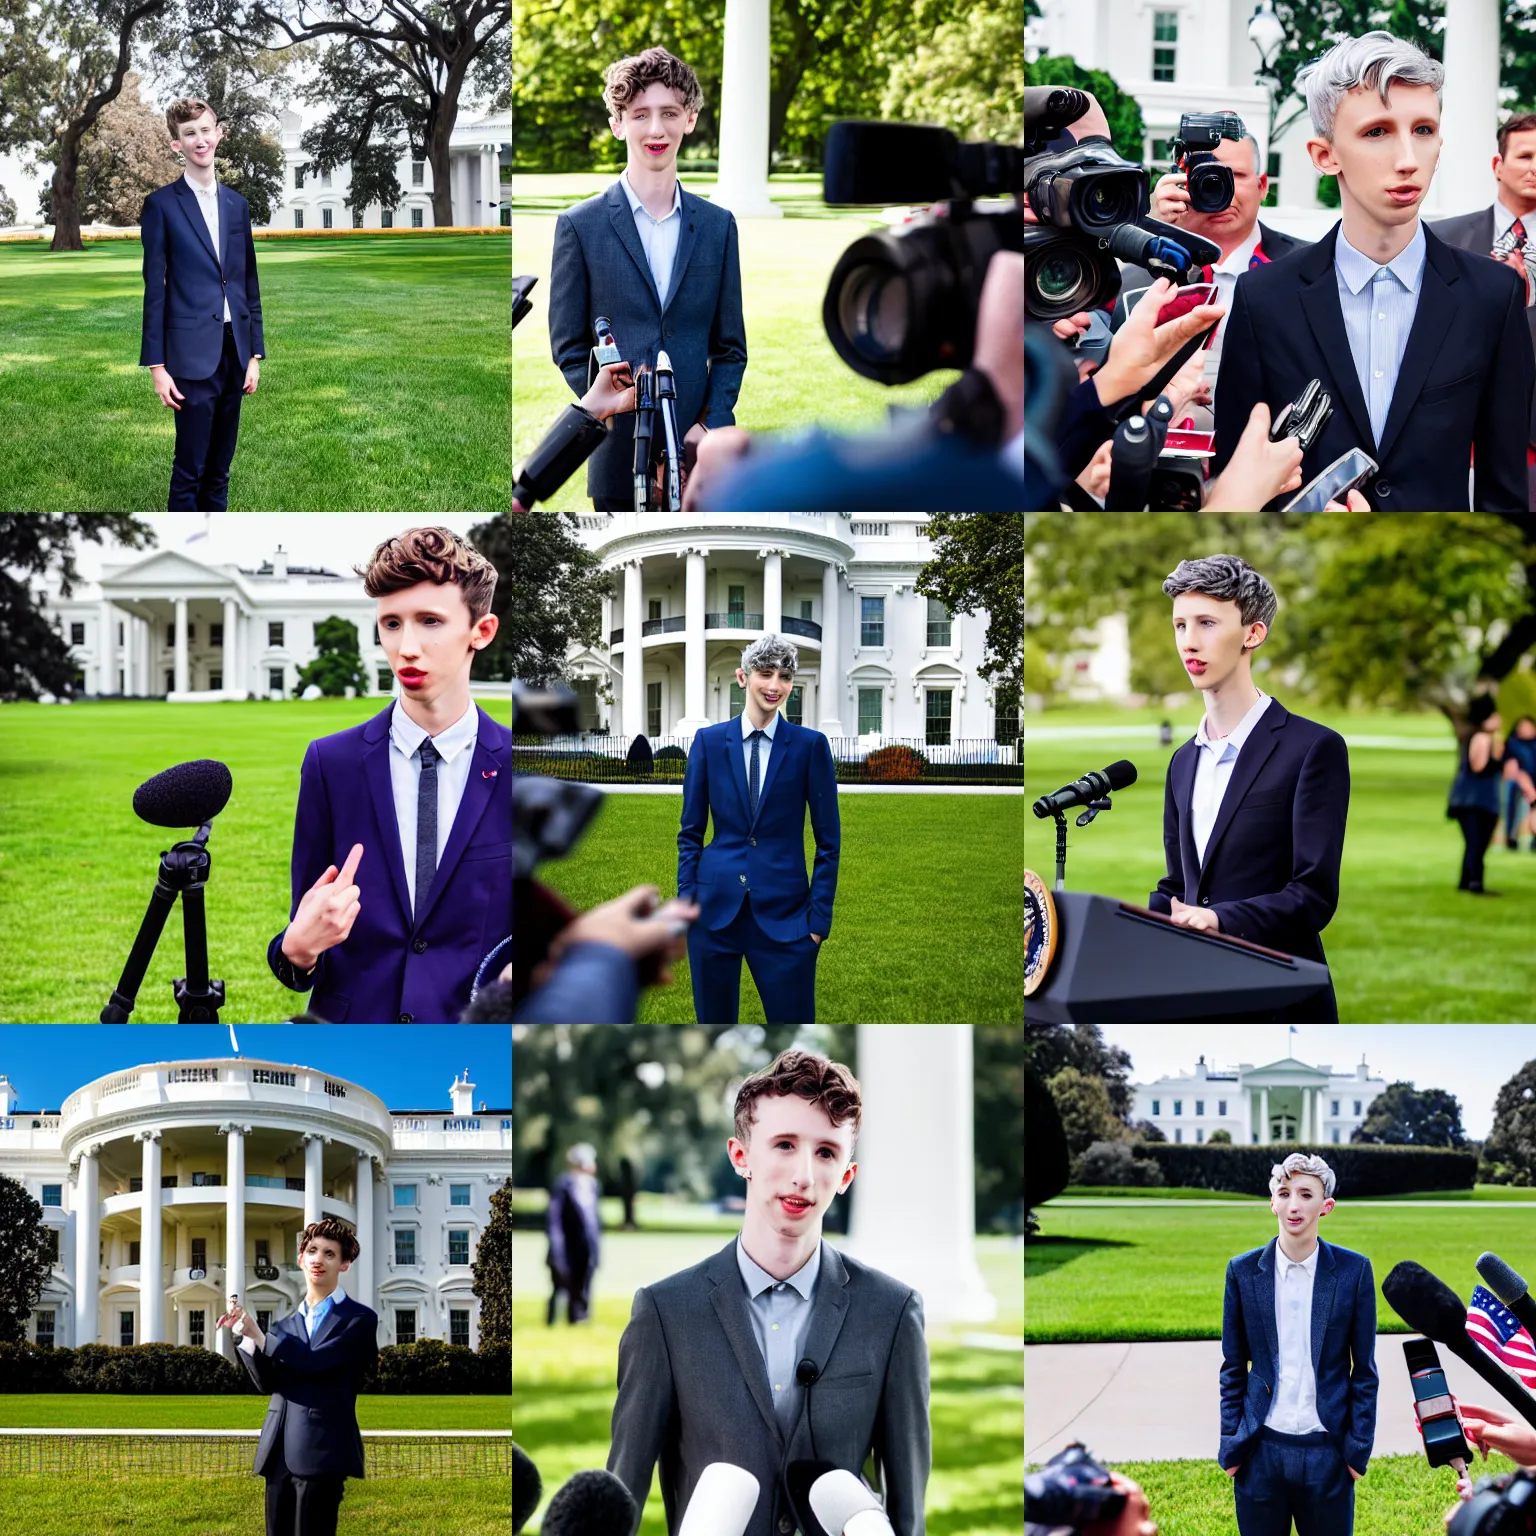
point(1071, 1490)
point(1502, 1505)
point(1210, 183)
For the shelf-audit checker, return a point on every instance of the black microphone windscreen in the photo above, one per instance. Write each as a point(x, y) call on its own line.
point(184, 796)
point(1121, 775)
point(1427, 1304)
point(1505, 1283)
point(591, 1504)
point(888, 163)
point(527, 1488)
point(798, 1478)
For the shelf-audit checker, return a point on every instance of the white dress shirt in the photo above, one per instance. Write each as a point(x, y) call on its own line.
point(658, 237)
point(1214, 762)
point(1225, 274)
point(1379, 302)
point(208, 205)
point(1294, 1409)
point(305, 1312)
point(456, 747)
point(764, 747)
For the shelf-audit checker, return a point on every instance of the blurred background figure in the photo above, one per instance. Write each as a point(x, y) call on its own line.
point(1521, 750)
point(627, 1184)
point(574, 1234)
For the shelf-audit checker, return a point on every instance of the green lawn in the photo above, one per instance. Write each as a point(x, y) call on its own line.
point(77, 866)
point(1502, 1193)
point(928, 921)
point(1405, 944)
point(387, 385)
point(794, 378)
point(113, 1410)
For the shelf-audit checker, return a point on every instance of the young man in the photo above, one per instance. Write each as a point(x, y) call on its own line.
point(1298, 1367)
point(757, 776)
point(779, 1348)
point(424, 789)
point(1518, 815)
point(310, 1364)
point(1255, 802)
point(1423, 347)
point(202, 310)
point(659, 262)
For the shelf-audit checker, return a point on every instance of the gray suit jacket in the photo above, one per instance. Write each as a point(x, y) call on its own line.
point(599, 268)
point(1474, 232)
point(693, 1389)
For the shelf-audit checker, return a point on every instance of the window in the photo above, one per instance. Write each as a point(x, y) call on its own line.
point(77, 633)
point(357, 218)
point(53, 1245)
point(458, 1326)
point(1272, 194)
point(264, 1318)
point(938, 622)
point(200, 1253)
point(207, 1180)
point(170, 635)
point(405, 1194)
point(805, 609)
point(1007, 719)
point(506, 218)
point(274, 634)
point(275, 679)
point(405, 1245)
point(196, 1324)
point(1200, 1133)
point(586, 703)
point(125, 1327)
point(872, 621)
point(298, 178)
point(1178, 1106)
point(216, 634)
point(1178, 1133)
point(418, 173)
point(654, 608)
point(1335, 1109)
point(1199, 1107)
point(215, 679)
point(45, 1327)
point(387, 219)
point(458, 1194)
point(736, 603)
point(1221, 1106)
point(170, 681)
point(263, 1251)
point(938, 716)
point(1157, 1106)
point(458, 1247)
point(53, 1194)
point(1335, 1133)
point(133, 1251)
point(405, 1325)
point(794, 705)
point(869, 710)
point(415, 218)
point(1165, 38)
point(1357, 1106)
point(385, 680)
point(1160, 152)
point(298, 218)
point(327, 216)
point(738, 700)
point(191, 632)
point(653, 709)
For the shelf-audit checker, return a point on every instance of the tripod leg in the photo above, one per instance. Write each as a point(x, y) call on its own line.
point(198, 999)
point(121, 1005)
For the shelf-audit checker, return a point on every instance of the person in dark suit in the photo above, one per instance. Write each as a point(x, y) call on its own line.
point(660, 263)
point(1298, 1366)
point(1424, 348)
point(1255, 802)
point(1514, 168)
point(202, 335)
point(575, 1235)
point(311, 1364)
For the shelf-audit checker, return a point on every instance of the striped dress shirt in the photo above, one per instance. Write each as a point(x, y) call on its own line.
point(1379, 303)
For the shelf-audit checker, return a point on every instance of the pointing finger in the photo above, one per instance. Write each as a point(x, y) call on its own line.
point(349, 869)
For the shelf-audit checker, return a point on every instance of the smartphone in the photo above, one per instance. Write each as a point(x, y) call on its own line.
point(1334, 483)
point(1179, 302)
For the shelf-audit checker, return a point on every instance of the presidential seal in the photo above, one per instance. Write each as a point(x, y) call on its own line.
point(1040, 932)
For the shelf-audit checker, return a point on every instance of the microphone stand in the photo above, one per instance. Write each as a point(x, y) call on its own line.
point(666, 401)
point(184, 871)
point(645, 428)
point(1094, 807)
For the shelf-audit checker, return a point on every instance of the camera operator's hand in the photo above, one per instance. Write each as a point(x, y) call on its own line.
point(1095, 478)
point(1135, 1519)
point(612, 391)
point(1069, 326)
point(999, 350)
point(1141, 346)
point(1258, 470)
point(1188, 386)
point(1170, 197)
point(633, 923)
point(1488, 1428)
point(718, 450)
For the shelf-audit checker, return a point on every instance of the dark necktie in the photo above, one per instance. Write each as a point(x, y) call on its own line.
point(754, 777)
point(426, 826)
point(1517, 229)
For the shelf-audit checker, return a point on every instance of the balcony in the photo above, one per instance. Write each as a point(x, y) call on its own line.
point(671, 626)
point(734, 619)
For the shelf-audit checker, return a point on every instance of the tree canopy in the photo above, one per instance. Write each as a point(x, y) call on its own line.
point(1403, 1116)
point(24, 1259)
point(558, 588)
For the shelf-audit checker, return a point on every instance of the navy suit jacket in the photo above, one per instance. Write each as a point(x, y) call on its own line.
point(1343, 1351)
point(765, 857)
point(185, 283)
point(1464, 386)
point(599, 268)
point(311, 1425)
point(389, 967)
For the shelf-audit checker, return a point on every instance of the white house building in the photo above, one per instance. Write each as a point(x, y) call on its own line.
point(168, 1187)
point(1284, 1101)
point(479, 168)
point(877, 659)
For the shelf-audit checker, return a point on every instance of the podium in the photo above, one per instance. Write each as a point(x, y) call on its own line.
point(1117, 963)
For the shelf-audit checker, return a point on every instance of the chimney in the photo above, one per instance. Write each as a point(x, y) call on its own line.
point(1200, 1068)
point(1360, 1071)
point(462, 1095)
point(280, 564)
point(9, 1098)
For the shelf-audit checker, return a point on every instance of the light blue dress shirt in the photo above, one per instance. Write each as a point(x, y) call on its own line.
point(1379, 303)
point(1214, 762)
point(456, 747)
point(658, 237)
point(764, 747)
point(313, 1317)
point(781, 1315)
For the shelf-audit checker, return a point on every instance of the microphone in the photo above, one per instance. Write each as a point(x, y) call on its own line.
point(1444, 1443)
point(1138, 442)
point(184, 796)
point(527, 1488)
point(799, 1478)
point(1510, 1287)
point(645, 427)
point(607, 349)
point(591, 1504)
point(1164, 250)
point(574, 438)
point(1091, 786)
point(723, 1502)
point(846, 1507)
point(666, 400)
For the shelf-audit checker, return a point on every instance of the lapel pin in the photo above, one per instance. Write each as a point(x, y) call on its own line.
point(489, 773)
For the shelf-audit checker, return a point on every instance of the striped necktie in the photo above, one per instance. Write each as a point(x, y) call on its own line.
point(426, 826)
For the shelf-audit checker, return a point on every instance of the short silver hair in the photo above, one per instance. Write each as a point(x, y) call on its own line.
point(1258, 162)
point(582, 1155)
point(771, 651)
point(1227, 578)
point(1302, 1162)
point(1374, 60)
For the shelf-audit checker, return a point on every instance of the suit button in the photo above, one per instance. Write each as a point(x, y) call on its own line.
point(742, 878)
point(406, 1018)
point(420, 946)
point(753, 841)
point(786, 1525)
point(1205, 901)
point(1382, 488)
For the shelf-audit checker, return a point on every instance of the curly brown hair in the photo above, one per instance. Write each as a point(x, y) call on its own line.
point(340, 1234)
point(827, 1084)
point(431, 554)
point(185, 110)
point(623, 81)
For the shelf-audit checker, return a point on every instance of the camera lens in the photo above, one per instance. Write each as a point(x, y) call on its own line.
point(873, 310)
point(1061, 278)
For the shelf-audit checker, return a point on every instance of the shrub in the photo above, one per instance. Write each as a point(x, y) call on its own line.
point(1222, 1139)
point(671, 755)
point(894, 765)
point(1115, 1162)
point(1361, 1170)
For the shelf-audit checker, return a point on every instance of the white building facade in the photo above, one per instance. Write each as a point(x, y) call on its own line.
point(877, 658)
point(1257, 1106)
point(167, 1188)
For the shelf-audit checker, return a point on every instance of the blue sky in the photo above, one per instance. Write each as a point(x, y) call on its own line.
point(408, 1066)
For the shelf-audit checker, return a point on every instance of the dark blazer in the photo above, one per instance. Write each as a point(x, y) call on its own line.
point(185, 283)
point(388, 967)
point(574, 1232)
point(693, 1389)
point(1465, 382)
point(599, 268)
point(1343, 1351)
point(1276, 244)
point(311, 1425)
point(765, 857)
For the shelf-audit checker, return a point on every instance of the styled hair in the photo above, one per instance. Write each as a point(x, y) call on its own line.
point(827, 1084)
point(1229, 579)
point(1521, 122)
point(1258, 160)
point(340, 1234)
point(1302, 1162)
point(1481, 708)
point(631, 77)
point(431, 554)
point(1373, 61)
point(185, 109)
point(771, 651)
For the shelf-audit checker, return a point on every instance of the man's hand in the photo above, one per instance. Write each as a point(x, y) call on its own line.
point(1141, 346)
point(250, 1330)
point(326, 913)
point(817, 937)
point(165, 387)
point(633, 923)
point(252, 376)
point(720, 449)
point(1515, 261)
point(1188, 386)
point(1233, 1471)
point(999, 353)
point(1356, 1475)
point(1195, 917)
point(1258, 470)
point(1170, 197)
point(612, 392)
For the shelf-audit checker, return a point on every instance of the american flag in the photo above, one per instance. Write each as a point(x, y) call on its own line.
point(1498, 1332)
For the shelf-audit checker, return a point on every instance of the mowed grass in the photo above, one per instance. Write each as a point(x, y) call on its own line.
point(386, 386)
point(794, 378)
point(928, 921)
point(77, 866)
point(114, 1410)
point(1405, 944)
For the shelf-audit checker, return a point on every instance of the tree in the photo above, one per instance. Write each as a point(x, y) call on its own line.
point(1144, 1130)
point(1512, 1141)
point(494, 541)
point(1116, 1163)
point(1050, 1047)
point(492, 1270)
point(1401, 1116)
point(558, 587)
point(338, 664)
point(998, 1098)
point(969, 76)
point(1047, 1163)
point(978, 562)
point(24, 1259)
point(1219, 1139)
point(7, 209)
point(34, 658)
point(1127, 132)
point(1085, 1110)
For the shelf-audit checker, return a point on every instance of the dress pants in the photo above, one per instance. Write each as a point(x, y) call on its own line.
point(206, 427)
point(1294, 1477)
point(612, 504)
point(785, 973)
point(303, 1506)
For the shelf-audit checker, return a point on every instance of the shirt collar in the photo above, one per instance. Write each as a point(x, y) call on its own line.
point(409, 736)
point(214, 192)
point(1504, 216)
point(635, 203)
point(759, 1280)
point(770, 730)
point(1358, 269)
point(1237, 263)
point(1285, 1264)
point(335, 1298)
point(1239, 733)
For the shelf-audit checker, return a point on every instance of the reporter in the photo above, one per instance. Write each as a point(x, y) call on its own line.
point(1488, 1428)
point(1258, 471)
point(1141, 347)
point(612, 392)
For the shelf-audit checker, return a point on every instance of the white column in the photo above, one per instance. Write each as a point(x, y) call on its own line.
point(915, 1213)
point(313, 1173)
point(773, 591)
point(151, 1276)
point(106, 652)
point(234, 1211)
point(231, 618)
point(695, 709)
point(181, 646)
point(490, 188)
point(1469, 108)
point(743, 183)
point(360, 1280)
point(141, 635)
point(634, 656)
point(87, 1246)
point(831, 653)
point(1263, 1116)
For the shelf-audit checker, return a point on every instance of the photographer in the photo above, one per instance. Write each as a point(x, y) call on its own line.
point(611, 393)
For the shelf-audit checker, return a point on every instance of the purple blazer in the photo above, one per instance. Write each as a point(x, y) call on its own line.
point(388, 971)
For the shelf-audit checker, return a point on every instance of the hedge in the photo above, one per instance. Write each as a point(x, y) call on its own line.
point(1361, 1170)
